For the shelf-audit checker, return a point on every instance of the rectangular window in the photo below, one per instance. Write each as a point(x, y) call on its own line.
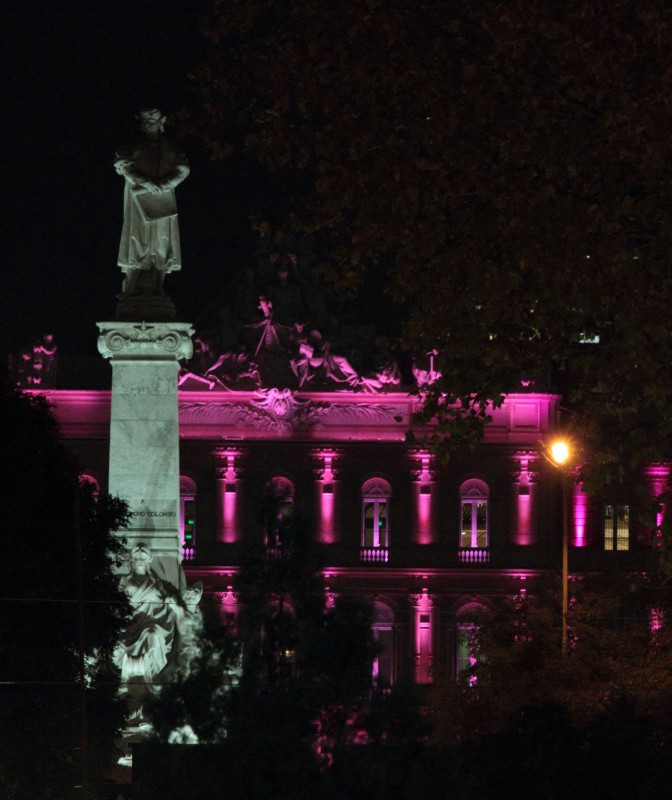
point(383, 663)
point(474, 532)
point(466, 655)
point(188, 521)
point(375, 523)
point(616, 527)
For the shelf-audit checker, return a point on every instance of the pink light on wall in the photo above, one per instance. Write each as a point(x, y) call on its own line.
point(658, 476)
point(524, 519)
point(423, 484)
point(326, 490)
point(424, 516)
point(228, 476)
point(579, 531)
point(229, 503)
point(330, 596)
point(423, 643)
point(525, 488)
point(327, 514)
point(228, 606)
point(423, 607)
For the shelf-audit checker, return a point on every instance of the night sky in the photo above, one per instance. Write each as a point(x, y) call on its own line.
point(78, 72)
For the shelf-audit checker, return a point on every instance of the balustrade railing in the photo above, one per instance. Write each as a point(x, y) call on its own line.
point(188, 553)
point(473, 555)
point(379, 555)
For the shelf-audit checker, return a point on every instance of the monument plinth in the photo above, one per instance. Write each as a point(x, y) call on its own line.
point(144, 437)
point(150, 309)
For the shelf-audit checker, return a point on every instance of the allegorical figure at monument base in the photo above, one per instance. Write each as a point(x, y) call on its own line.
point(148, 638)
point(150, 239)
point(163, 635)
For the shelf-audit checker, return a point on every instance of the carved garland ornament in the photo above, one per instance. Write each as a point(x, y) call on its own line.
point(279, 410)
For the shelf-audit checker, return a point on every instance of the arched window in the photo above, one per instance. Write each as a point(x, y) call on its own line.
point(281, 495)
point(282, 490)
point(375, 519)
point(467, 641)
point(91, 481)
point(279, 638)
point(383, 633)
point(188, 517)
point(474, 514)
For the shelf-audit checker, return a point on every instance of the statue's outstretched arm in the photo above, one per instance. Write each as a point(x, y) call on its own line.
point(124, 164)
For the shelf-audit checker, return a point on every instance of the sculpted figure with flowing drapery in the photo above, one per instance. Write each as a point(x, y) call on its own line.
point(150, 240)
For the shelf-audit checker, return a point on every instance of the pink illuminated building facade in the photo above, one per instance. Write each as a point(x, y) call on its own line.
point(426, 543)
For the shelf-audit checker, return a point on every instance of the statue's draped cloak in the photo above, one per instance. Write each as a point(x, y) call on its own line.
point(150, 235)
point(149, 636)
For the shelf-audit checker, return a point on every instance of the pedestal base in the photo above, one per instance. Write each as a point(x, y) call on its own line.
point(149, 308)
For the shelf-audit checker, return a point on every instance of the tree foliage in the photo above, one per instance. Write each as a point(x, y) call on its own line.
point(61, 611)
point(510, 162)
point(196, 703)
point(541, 753)
point(524, 719)
point(283, 692)
point(620, 654)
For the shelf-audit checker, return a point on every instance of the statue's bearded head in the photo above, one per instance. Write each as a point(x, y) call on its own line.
point(140, 558)
point(152, 121)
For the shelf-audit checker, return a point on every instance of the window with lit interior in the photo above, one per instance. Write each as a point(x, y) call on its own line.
point(89, 480)
point(375, 515)
point(466, 652)
point(474, 514)
point(383, 633)
point(616, 527)
point(467, 641)
point(188, 516)
point(281, 493)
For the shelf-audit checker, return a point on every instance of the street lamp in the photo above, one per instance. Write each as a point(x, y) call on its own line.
point(560, 452)
point(560, 456)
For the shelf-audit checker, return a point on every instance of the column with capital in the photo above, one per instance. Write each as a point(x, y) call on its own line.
point(144, 436)
point(524, 523)
point(326, 486)
point(229, 606)
point(423, 605)
point(228, 494)
point(424, 478)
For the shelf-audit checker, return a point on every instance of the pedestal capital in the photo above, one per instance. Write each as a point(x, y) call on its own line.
point(167, 341)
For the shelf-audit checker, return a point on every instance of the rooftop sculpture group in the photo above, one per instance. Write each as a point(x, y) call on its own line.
point(35, 367)
point(280, 331)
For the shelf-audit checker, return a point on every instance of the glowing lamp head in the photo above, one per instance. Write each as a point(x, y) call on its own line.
point(560, 452)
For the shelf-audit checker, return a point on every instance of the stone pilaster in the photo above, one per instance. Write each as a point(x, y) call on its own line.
point(424, 481)
point(327, 490)
point(228, 475)
point(524, 487)
point(424, 605)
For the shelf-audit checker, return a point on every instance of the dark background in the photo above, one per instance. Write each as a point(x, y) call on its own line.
point(77, 73)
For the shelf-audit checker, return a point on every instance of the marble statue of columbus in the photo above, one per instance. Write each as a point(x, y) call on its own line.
point(150, 240)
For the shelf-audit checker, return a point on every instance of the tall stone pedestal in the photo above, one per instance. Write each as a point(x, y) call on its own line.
point(144, 437)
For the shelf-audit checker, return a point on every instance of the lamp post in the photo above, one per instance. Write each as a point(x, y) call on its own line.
point(560, 454)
